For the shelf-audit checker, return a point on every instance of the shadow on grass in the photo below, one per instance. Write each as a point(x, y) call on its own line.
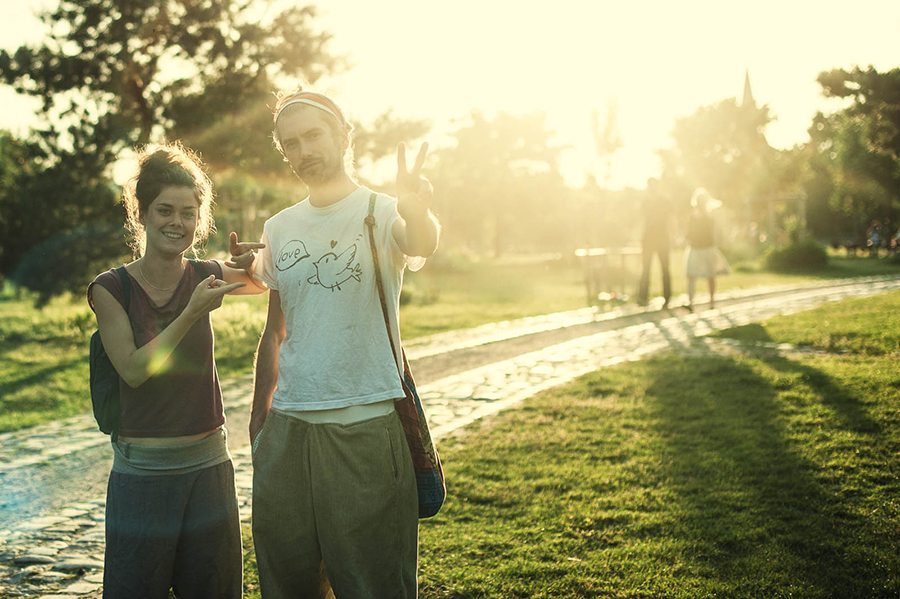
point(35, 376)
point(759, 518)
point(843, 403)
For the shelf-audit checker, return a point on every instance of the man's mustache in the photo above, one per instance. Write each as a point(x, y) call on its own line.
point(309, 163)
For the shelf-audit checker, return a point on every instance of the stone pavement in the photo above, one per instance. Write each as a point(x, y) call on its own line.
point(59, 554)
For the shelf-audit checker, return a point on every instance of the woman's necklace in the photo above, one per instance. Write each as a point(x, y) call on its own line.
point(149, 282)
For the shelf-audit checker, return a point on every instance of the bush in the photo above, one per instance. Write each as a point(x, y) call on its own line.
point(412, 293)
point(69, 260)
point(801, 256)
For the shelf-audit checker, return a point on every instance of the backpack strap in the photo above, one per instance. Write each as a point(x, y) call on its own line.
point(125, 280)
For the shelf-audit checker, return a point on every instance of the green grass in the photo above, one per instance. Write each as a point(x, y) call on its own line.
point(741, 474)
point(43, 354)
point(869, 326)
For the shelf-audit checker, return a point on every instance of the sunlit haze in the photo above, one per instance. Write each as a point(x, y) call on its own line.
point(656, 61)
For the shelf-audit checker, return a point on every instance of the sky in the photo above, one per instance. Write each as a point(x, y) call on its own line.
point(657, 61)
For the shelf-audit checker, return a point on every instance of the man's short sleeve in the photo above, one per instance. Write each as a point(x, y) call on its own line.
point(264, 268)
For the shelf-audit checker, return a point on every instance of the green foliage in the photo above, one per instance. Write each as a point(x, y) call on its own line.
point(875, 96)
point(14, 167)
point(114, 73)
point(65, 262)
point(58, 214)
point(159, 67)
point(805, 255)
point(855, 156)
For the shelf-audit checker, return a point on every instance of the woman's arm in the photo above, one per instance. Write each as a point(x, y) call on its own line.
point(239, 275)
point(136, 365)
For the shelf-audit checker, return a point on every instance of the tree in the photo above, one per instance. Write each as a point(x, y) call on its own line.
point(855, 156)
point(148, 68)
point(380, 138)
point(499, 187)
point(876, 97)
point(57, 217)
point(607, 140)
point(722, 148)
point(14, 166)
point(115, 73)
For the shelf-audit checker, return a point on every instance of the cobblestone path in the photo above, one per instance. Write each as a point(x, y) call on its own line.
point(469, 374)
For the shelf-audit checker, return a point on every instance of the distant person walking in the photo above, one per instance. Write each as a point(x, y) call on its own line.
point(655, 241)
point(704, 260)
point(874, 238)
point(171, 507)
point(333, 483)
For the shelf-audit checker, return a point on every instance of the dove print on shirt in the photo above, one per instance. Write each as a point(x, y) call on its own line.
point(331, 270)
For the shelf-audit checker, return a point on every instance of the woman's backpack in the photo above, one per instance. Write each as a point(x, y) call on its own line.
point(104, 378)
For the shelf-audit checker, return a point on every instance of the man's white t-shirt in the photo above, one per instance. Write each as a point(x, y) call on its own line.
point(336, 352)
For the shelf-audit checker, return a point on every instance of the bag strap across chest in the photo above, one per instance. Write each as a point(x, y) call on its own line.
point(379, 283)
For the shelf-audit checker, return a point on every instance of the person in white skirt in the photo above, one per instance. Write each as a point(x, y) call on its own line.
point(704, 259)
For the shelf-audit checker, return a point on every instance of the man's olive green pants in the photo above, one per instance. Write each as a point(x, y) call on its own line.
point(339, 495)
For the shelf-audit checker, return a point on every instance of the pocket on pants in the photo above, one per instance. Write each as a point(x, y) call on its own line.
point(392, 446)
point(254, 445)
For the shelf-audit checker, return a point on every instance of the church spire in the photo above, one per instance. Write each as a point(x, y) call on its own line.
point(748, 93)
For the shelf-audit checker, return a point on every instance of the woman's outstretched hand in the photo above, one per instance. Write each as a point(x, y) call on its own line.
point(208, 294)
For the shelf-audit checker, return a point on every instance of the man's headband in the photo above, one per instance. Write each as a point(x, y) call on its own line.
point(317, 101)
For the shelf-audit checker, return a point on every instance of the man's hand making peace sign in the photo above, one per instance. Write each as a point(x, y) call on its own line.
point(418, 234)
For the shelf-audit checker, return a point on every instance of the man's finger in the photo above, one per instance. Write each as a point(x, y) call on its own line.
point(233, 243)
point(240, 261)
point(420, 159)
point(245, 247)
point(401, 159)
point(426, 189)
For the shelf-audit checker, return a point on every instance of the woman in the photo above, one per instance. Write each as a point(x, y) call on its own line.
point(171, 508)
point(703, 258)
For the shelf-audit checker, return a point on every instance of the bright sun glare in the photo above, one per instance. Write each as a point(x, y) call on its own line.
point(655, 60)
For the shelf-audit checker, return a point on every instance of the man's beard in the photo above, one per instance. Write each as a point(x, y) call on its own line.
point(318, 171)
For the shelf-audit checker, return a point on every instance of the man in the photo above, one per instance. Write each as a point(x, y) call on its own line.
point(655, 241)
point(333, 484)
